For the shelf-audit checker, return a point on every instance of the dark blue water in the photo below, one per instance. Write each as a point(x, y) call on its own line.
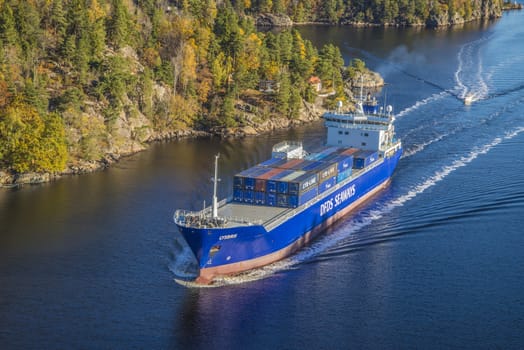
point(435, 261)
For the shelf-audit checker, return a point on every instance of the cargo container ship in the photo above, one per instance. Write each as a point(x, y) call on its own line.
point(281, 204)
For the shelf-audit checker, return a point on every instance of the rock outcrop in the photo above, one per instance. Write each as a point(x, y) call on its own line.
point(273, 20)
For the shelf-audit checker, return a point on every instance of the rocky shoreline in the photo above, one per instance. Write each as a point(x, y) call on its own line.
point(310, 112)
point(434, 21)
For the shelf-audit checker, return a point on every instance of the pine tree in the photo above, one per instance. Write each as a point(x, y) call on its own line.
point(8, 31)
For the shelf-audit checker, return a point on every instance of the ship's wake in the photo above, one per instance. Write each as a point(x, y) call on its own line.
point(346, 229)
point(469, 76)
point(421, 103)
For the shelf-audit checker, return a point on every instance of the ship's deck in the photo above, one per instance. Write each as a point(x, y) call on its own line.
point(259, 214)
point(251, 213)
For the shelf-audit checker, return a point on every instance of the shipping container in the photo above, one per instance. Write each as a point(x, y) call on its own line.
point(282, 200)
point(313, 166)
point(362, 159)
point(238, 195)
point(301, 165)
point(329, 170)
point(271, 173)
point(282, 187)
point(271, 199)
point(341, 176)
point(327, 184)
point(296, 200)
point(271, 162)
point(293, 175)
point(343, 161)
point(260, 198)
point(249, 196)
point(290, 164)
point(303, 183)
point(272, 183)
point(246, 179)
point(324, 169)
point(283, 182)
point(260, 185)
point(349, 151)
point(261, 180)
point(321, 153)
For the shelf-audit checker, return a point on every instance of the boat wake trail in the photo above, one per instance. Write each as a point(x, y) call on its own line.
point(418, 104)
point(416, 148)
point(469, 76)
point(361, 220)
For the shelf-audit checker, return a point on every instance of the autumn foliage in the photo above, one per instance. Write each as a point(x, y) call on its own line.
point(72, 72)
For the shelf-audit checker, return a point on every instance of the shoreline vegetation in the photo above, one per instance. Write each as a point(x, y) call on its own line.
point(84, 83)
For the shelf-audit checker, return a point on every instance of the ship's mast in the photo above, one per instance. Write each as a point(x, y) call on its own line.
point(215, 180)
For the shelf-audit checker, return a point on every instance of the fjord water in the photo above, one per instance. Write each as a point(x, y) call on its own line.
point(434, 261)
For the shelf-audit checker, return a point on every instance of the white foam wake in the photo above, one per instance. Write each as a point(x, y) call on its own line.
point(418, 104)
point(362, 220)
point(469, 77)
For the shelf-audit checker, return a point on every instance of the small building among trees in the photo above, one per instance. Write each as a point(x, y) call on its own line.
point(315, 82)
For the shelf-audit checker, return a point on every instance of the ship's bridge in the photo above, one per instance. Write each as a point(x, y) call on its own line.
point(367, 128)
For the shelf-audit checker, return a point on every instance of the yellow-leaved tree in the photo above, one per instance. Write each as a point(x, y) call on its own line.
point(31, 142)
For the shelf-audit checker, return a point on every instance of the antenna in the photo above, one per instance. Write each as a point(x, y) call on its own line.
point(215, 180)
point(386, 99)
point(361, 87)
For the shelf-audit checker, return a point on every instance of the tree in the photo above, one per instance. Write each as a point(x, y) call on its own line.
point(284, 93)
point(120, 25)
point(330, 64)
point(29, 142)
point(8, 31)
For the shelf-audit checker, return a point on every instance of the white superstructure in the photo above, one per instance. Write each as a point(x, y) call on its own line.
point(367, 128)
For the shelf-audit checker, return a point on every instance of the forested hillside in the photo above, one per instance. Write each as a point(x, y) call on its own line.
point(381, 12)
point(84, 79)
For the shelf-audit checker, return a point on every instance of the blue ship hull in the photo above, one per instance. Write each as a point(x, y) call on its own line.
point(245, 247)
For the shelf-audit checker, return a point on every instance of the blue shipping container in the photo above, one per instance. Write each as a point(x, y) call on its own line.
point(249, 196)
point(282, 187)
point(344, 175)
point(260, 197)
point(299, 199)
point(272, 183)
point(251, 178)
point(364, 158)
point(272, 162)
point(238, 195)
point(344, 162)
point(322, 153)
point(313, 166)
point(271, 199)
point(246, 178)
point(327, 184)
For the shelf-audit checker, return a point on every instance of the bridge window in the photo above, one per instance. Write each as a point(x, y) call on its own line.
point(347, 133)
point(363, 143)
point(340, 132)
